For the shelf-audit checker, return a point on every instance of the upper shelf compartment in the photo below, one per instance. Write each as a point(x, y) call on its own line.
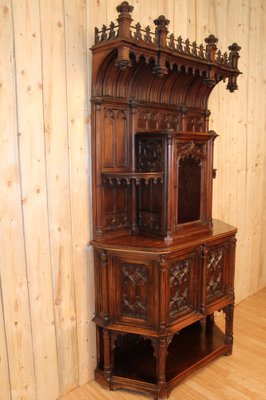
point(146, 55)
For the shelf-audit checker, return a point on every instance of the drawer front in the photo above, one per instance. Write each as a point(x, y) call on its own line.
point(183, 272)
point(134, 284)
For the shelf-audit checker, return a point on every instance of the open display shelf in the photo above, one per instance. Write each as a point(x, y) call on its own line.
point(163, 266)
point(192, 346)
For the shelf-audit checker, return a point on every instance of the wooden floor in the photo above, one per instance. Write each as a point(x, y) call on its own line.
point(241, 376)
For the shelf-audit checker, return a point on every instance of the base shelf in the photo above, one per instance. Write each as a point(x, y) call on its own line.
point(193, 347)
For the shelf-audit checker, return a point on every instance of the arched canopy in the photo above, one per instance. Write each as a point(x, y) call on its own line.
point(181, 85)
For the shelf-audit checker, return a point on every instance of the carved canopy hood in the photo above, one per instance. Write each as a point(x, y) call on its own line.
point(139, 65)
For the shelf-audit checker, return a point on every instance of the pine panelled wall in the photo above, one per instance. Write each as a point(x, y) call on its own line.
point(47, 339)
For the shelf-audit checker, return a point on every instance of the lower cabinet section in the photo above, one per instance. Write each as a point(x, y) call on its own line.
point(156, 365)
point(155, 312)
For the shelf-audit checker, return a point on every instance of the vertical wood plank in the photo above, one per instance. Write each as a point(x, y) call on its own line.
point(166, 8)
point(255, 148)
point(261, 106)
point(12, 265)
point(5, 391)
point(203, 24)
point(96, 14)
point(180, 18)
point(148, 12)
point(136, 12)
point(59, 207)
point(34, 204)
point(111, 12)
point(230, 120)
point(184, 20)
point(77, 102)
point(191, 20)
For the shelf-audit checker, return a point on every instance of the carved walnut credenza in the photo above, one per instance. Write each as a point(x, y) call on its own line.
point(163, 266)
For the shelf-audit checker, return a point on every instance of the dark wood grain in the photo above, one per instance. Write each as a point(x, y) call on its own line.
point(162, 265)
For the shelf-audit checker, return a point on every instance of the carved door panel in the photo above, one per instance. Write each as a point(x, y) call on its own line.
point(183, 289)
point(134, 284)
point(217, 261)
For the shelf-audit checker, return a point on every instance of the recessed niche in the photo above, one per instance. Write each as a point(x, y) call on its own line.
point(189, 186)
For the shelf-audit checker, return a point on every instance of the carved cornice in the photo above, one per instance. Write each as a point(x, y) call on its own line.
point(166, 50)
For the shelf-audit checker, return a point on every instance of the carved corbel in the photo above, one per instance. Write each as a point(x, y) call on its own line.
point(123, 61)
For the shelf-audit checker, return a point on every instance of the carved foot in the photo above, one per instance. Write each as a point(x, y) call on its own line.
point(162, 394)
point(229, 351)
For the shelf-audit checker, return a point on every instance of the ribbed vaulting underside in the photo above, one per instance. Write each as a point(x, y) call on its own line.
point(179, 86)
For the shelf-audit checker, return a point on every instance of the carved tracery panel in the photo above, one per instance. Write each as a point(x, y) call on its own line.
point(215, 273)
point(150, 155)
point(134, 296)
point(181, 272)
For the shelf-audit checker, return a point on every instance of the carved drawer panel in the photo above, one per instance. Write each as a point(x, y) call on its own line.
point(182, 290)
point(133, 297)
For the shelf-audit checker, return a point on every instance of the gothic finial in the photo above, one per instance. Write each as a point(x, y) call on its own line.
point(211, 39)
point(161, 21)
point(161, 30)
point(234, 55)
point(234, 48)
point(211, 47)
point(125, 8)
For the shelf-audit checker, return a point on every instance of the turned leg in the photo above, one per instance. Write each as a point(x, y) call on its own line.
point(107, 356)
point(209, 322)
point(210, 319)
point(98, 346)
point(229, 316)
point(160, 351)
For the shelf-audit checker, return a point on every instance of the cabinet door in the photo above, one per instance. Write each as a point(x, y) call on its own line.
point(134, 284)
point(217, 264)
point(183, 286)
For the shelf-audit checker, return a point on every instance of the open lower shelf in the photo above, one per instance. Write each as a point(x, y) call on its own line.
point(193, 347)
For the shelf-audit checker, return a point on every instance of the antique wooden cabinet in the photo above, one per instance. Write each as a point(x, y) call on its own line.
point(162, 265)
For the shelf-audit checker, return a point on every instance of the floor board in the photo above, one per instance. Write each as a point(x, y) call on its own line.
point(242, 376)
